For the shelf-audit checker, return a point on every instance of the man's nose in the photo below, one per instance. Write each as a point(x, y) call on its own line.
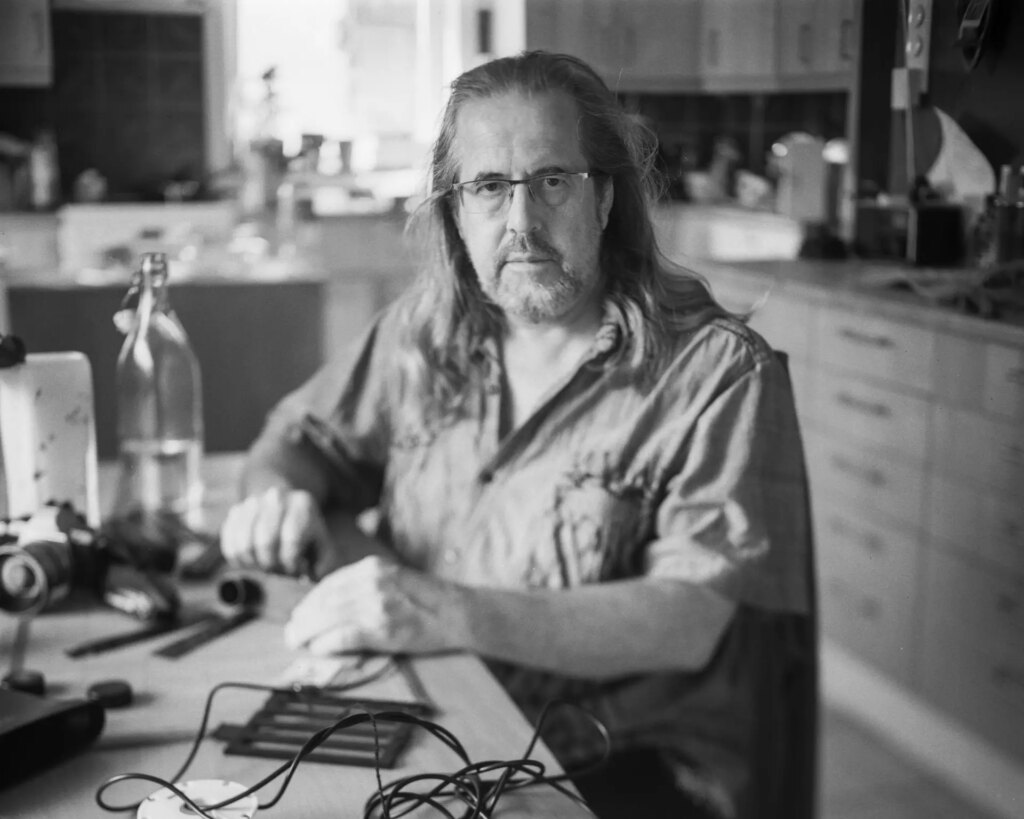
point(523, 210)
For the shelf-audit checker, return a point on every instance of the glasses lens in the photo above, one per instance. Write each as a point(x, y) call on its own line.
point(485, 196)
point(554, 189)
point(493, 195)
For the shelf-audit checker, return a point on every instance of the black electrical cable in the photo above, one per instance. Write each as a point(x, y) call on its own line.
point(466, 785)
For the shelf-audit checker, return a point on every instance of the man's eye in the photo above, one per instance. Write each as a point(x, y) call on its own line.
point(554, 182)
point(489, 189)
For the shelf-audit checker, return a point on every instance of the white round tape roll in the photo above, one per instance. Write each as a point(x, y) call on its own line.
point(165, 804)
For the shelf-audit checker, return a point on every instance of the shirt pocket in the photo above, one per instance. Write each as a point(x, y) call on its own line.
point(599, 527)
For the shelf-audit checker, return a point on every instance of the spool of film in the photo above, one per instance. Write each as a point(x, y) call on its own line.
point(240, 591)
point(165, 804)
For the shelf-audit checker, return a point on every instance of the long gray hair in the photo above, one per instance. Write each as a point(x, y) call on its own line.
point(447, 314)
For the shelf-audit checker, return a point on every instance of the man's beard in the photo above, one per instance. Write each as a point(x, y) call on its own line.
point(534, 296)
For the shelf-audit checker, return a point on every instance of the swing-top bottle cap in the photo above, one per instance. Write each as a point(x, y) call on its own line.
point(154, 262)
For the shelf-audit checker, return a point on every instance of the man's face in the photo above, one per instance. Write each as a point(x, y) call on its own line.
point(539, 263)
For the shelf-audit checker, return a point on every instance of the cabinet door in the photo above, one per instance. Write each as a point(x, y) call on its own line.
point(836, 26)
point(816, 43)
point(738, 45)
point(583, 28)
point(866, 576)
point(26, 55)
point(636, 45)
point(798, 49)
point(660, 45)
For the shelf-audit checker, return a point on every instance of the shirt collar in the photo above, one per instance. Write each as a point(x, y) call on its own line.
point(607, 339)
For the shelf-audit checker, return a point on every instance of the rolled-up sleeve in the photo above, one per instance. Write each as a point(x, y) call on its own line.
point(340, 418)
point(734, 516)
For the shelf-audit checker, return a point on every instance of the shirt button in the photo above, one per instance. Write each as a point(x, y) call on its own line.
point(486, 476)
point(451, 556)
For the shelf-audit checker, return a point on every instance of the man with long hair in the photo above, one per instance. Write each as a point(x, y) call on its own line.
point(584, 469)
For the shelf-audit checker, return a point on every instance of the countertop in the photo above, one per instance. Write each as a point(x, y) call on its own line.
point(923, 296)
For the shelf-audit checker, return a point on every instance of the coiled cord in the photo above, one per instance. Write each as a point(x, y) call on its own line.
point(467, 785)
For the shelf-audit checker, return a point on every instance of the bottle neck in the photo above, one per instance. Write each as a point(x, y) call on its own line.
point(153, 295)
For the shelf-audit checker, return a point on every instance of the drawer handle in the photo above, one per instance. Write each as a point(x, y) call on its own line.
point(1010, 529)
point(869, 407)
point(865, 338)
point(1007, 603)
point(1007, 675)
point(867, 607)
point(872, 542)
point(804, 43)
point(866, 474)
point(845, 30)
point(714, 45)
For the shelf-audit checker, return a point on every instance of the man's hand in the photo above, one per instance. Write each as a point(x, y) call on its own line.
point(375, 604)
point(277, 530)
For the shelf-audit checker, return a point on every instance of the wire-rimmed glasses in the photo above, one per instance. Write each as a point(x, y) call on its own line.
point(491, 196)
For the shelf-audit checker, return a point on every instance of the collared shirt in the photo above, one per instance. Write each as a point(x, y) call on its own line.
point(694, 474)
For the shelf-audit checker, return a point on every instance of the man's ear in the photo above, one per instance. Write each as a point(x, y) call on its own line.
point(605, 198)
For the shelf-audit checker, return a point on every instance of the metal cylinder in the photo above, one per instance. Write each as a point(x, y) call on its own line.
point(34, 575)
point(240, 591)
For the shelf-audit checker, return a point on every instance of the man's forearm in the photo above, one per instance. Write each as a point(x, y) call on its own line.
point(274, 463)
point(598, 631)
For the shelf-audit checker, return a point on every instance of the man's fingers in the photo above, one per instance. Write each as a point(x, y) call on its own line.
point(236, 534)
point(266, 529)
point(273, 530)
point(301, 533)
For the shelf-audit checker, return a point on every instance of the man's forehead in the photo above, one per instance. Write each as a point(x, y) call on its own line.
point(517, 129)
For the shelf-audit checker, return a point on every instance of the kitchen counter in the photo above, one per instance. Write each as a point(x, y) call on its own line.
point(898, 292)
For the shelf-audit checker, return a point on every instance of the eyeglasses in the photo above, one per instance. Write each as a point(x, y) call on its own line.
point(491, 196)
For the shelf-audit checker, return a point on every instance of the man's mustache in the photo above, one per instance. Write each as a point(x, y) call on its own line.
point(527, 245)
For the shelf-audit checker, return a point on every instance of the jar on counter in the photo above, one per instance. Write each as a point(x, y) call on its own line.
point(1008, 216)
point(44, 172)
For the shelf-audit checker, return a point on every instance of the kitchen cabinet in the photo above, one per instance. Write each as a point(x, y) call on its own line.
point(26, 51)
point(913, 422)
point(643, 45)
point(711, 45)
point(737, 48)
point(816, 43)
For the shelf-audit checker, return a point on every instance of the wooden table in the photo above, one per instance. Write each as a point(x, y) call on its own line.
point(154, 734)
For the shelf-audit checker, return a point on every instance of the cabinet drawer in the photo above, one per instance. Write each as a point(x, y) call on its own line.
point(864, 482)
point(872, 414)
point(1004, 382)
point(981, 686)
point(876, 348)
point(979, 450)
point(977, 522)
point(982, 376)
point(867, 589)
point(989, 605)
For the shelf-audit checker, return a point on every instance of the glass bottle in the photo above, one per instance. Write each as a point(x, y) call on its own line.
point(159, 405)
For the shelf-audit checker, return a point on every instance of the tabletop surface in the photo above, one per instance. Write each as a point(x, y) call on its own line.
point(154, 734)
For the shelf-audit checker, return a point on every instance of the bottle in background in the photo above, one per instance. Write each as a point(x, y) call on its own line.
point(44, 172)
point(159, 405)
point(1008, 215)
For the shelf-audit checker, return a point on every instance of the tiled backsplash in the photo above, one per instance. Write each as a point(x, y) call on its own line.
point(127, 100)
point(687, 125)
